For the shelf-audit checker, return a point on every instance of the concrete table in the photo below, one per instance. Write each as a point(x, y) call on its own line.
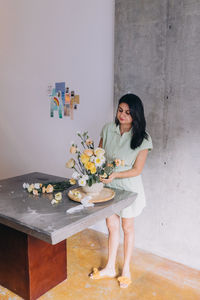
point(33, 233)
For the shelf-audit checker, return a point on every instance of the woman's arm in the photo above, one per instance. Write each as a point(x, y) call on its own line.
point(101, 143)
point(134, 171)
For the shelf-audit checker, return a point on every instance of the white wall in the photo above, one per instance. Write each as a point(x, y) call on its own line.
point(45, 42)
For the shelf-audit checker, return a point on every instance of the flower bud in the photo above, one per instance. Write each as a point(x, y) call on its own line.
point(71, 163)
point(72, 181)
point(89, 142)
point(73, 149)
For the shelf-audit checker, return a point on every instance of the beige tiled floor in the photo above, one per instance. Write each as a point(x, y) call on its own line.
point(154, 278)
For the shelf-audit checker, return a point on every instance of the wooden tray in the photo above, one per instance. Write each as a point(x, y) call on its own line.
point(105, 195)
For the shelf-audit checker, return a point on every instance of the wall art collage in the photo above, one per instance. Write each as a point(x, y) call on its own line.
point(62, 100)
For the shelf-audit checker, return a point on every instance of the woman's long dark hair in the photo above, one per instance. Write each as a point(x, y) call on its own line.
point(137, 114)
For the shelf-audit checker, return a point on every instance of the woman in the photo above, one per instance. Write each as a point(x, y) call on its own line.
point(125, 139)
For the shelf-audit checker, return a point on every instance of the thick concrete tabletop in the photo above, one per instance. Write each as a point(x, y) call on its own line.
point(35, 215)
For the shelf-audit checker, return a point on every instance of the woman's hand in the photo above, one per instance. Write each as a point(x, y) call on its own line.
point(109, 179)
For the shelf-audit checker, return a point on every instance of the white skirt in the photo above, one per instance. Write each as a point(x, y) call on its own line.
point(132, 184)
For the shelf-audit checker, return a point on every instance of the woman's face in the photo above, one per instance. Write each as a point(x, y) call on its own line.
point(123, 114)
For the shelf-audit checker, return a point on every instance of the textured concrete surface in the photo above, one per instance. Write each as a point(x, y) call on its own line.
point(157, 57)
point(153, 277)
point(35, 215)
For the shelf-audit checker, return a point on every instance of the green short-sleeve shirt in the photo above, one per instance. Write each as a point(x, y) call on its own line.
point(117, 146)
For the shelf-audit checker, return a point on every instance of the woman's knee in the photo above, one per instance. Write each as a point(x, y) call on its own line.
point(127, 226)
point(113, 223)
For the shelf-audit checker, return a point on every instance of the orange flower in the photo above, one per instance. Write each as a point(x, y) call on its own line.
point(73, 150)
point(35, 192)
point(72, 181)
point(88, 152)
point(110, 165)
point(70, 164)
point(49, 188)
point(89, 142)
point(118, 162)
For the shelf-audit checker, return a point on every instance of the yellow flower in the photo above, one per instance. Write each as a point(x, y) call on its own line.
point(93, 170)
point(75, 193)
point(98, 160)
point(104, 175)
point(30, 188)
point(58, 196)
point(43, 189)
point(88, 152)
point(73, 150)
point(35, 192)
point(89, 165)
point(49, 188)
point(71, 163)
point(72, 181)
point(84, 158)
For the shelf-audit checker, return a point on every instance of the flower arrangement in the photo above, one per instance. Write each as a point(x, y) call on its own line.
point(90, 165)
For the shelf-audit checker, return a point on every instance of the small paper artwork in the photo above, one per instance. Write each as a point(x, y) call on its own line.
point(62, 100)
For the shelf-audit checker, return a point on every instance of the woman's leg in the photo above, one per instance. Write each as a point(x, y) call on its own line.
point(128, 228)
point(113, 223)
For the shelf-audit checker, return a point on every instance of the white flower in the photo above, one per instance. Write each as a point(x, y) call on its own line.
point(99, 160)
point(76, 175)
point(99, 151)
point(92, 158)
point(58, 196)
point(30, 188)
point(82, 182)
point(86, 177)
point(54, 201)
point(103, 159)
point(37, 186)
point(25, 185)
point(77, 195)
